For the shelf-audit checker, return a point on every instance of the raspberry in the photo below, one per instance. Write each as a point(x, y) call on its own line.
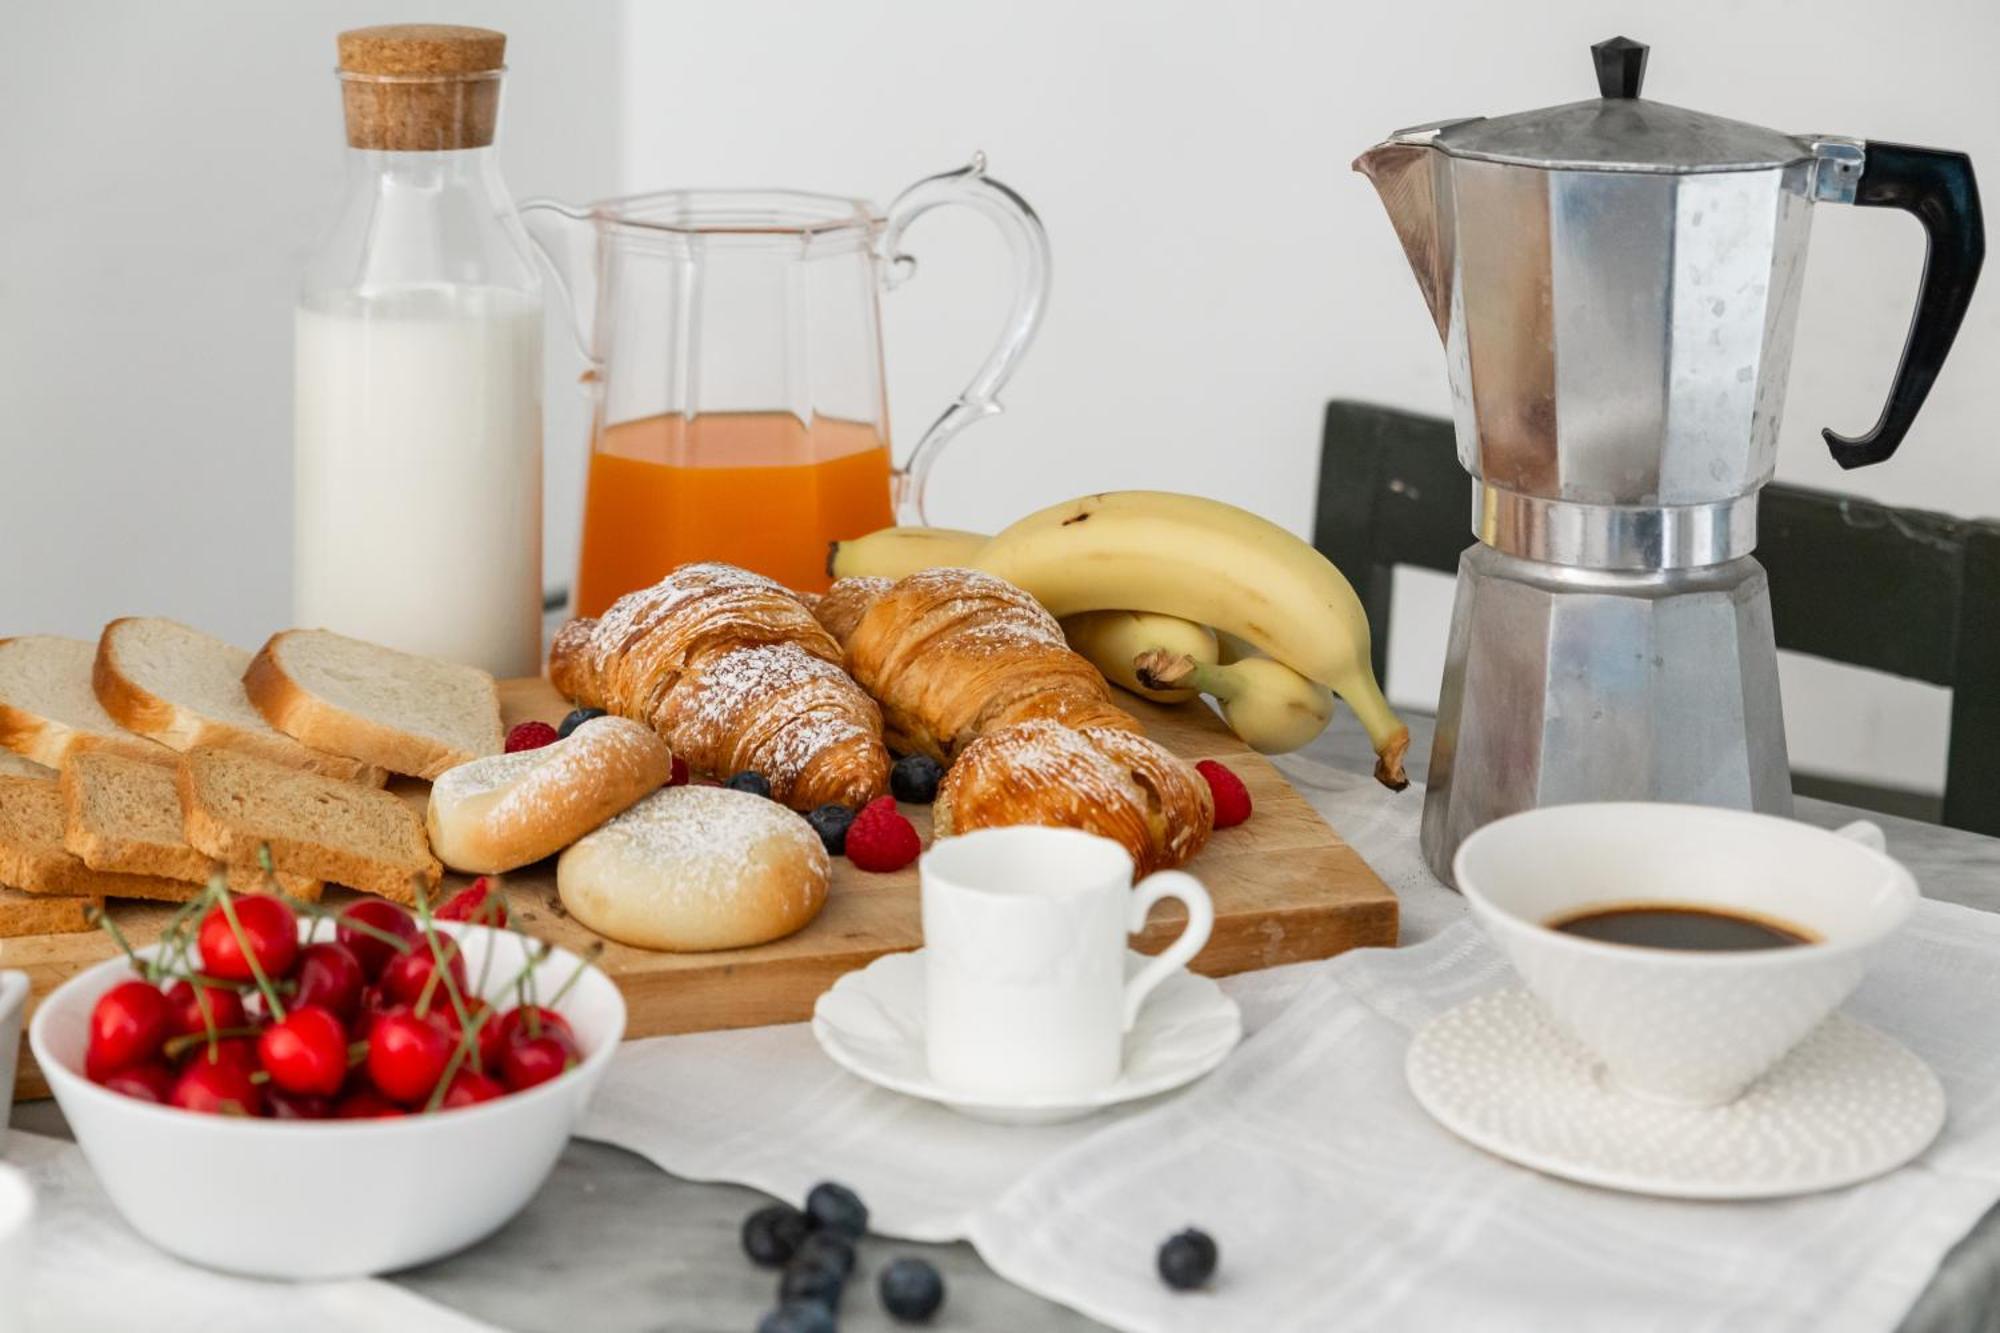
point(880, 839)
point(530, 736)
point(679, 776)
point(1232, 798)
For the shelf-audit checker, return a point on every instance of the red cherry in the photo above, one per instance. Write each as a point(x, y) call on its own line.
point(372, 953)
point(307, 1052)
point(128, 1024)
point(532, 1060)
point(296, 1105)
point(469, 1089)
point(329, 975)
point(445, 1016)
point(149, 1082)
point(225, 1008)
point(515, 1022)
point(406, 1055)
point(374, 1004)
point(408, 975)
point(366, 1104)
point(478, 902)
point(224, 1088)
point(269, 928)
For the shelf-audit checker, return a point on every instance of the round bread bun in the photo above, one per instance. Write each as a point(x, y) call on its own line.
point(507, 810)
point(695, 868)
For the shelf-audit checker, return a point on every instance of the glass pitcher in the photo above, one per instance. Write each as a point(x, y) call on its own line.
point(735, 352)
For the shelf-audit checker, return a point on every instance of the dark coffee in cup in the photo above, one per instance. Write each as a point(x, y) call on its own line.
point(1678, 926)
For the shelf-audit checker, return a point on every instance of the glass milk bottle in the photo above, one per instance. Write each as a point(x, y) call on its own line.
point(417, 393)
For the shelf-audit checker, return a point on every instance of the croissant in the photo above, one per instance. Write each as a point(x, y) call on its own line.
point(952, 654)
point(1099, 779)
point(734, 673)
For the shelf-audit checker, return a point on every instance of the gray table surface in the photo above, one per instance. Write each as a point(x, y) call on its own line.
point(612, 1243)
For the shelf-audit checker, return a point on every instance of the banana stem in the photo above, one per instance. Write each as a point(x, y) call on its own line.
point(1162, 670)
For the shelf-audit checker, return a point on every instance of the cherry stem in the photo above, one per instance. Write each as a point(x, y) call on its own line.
point(139, 965)
point(271, 1000)
point(175, 1047)
point(442, 969)
point(468, 1040)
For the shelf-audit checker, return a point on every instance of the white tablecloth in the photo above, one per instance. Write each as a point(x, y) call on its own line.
point(1336, 1201)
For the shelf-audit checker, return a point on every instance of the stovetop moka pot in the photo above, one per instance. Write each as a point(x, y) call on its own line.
point(1616, 282)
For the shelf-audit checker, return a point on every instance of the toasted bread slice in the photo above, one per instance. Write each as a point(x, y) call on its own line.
point(184, 688)
point(123, 815)
point(15, 766)
point(34, 860)
point(402, 712)
point(232, 803)
point(47, 708)
point(44, 914)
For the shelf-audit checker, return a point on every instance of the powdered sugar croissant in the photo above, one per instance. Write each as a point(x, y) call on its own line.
point(734, 673)
point(972, 671)
point(952, 654)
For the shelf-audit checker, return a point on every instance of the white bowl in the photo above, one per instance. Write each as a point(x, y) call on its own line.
point(1693, 1028)
point(328, 1198)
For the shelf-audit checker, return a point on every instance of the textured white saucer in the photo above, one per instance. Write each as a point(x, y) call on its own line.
point(871, 1023)
point(1847, 1104)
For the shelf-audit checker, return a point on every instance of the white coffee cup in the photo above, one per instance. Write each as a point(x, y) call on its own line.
point(1024, 945)
point(1684, 1026)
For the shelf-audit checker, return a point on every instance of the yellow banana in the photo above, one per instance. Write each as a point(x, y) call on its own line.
point(894, 552)
point(1214, 564)
point(1272, 707)
point(1113, 640)
point(1229, 648)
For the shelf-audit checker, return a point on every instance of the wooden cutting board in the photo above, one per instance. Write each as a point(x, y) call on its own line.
point(1286, 889)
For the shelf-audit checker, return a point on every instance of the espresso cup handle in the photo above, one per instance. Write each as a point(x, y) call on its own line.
point(1867, 834)
point(1201, 920)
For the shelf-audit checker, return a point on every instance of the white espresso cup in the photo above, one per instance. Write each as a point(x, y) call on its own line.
point(1024, 948)
point(1684, 1026)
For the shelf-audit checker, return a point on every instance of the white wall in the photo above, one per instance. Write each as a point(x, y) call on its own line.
point(167, 170)
point(1219, 271)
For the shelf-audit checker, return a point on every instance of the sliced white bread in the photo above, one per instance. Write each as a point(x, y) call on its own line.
point(402, 712)
point(123, 815)
point(184, 688)
point(34, 859)
point(233, 803)
point(47, 707)
point(16, 766)
point(44, 914)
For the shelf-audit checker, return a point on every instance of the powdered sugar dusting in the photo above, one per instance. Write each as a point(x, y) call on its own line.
point(585, 761)
point(710, 838)
point(990, 615)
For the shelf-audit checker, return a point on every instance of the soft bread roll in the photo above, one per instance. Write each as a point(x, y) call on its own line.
point(508, 810)
point(694, 868)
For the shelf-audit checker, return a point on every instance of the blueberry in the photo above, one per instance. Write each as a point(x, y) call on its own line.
point(911, 1290)
point(1187, 1260)
point(837, 1208)
point(576, 718)
point(830, 822)
point(828, 1248)
point(915, 779)
point(753, 783)
point(772, 1235)
point(798, 1317)
point(816, 1283)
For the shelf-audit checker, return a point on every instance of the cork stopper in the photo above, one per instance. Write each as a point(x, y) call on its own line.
point(421, 87)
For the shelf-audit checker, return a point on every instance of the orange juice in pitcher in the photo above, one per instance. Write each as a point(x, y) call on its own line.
point(735, 346)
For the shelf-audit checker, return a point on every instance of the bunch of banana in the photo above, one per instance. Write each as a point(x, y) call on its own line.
point(1213, 564)
point(1136, 577)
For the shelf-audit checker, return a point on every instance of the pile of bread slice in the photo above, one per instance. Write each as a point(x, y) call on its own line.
point(132, 767)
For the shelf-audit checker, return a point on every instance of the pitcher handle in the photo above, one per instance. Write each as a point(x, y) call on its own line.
point(1029, 245)
point(566, 239)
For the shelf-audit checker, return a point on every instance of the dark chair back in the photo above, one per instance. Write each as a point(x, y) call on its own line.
point(1906, 591)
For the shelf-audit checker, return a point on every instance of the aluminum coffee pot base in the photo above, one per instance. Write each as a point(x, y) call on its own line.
point(1564, 685)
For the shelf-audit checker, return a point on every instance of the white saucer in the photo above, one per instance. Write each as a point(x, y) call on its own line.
point(871, 1023)
point(1847, 1104)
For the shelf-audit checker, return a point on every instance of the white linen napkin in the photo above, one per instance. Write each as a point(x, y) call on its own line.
point(91, 1272)
point(1336, 1200)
